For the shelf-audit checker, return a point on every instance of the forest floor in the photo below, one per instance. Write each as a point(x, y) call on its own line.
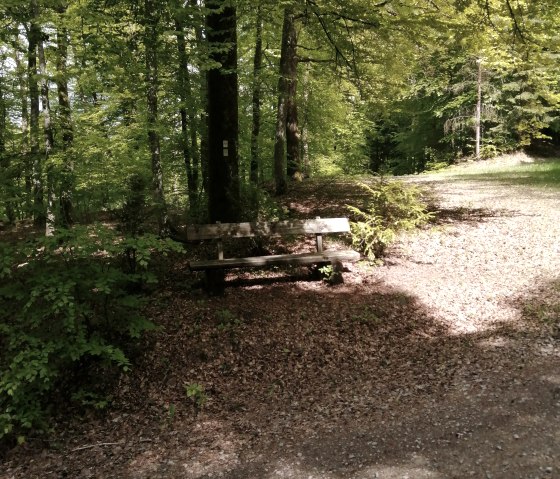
point(444, 362)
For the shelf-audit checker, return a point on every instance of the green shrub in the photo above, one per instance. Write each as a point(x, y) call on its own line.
point(69, 307)
point(390, 207)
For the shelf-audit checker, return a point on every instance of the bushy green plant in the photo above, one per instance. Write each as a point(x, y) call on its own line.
point(69, 307)
point(196, 393)
point(390, 207)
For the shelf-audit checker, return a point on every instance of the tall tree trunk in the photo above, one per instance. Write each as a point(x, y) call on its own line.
point(24, 147)
point(6, 178)
point(305, 125)
point(187, 117)
point(34, 37)
point(223, 129)
point(67, 174)
point(203, 152)
point(152, 83)
point(256, 127)
point(478, 110)
point(282, 111)
point(48, 139)
point(222, 112)
point(293, 158)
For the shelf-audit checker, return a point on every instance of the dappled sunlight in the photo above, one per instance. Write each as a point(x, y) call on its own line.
point(443, 362)
point(296, 468)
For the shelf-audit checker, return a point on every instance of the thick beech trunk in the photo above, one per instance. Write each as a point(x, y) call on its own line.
point(222, 113)
point(223, 165)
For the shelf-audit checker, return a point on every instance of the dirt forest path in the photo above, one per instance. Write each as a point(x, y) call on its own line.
point(442, 363)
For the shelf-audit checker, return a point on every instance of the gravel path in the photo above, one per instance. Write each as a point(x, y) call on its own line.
point(500, 243)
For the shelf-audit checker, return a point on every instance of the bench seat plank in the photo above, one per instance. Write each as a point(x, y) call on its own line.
point(279, 228)
point(292, 259)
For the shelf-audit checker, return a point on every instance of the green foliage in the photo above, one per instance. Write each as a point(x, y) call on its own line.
point(331, 274)
point(326, 271)
point(196, 393)
point(70, 306)
point(390, 207)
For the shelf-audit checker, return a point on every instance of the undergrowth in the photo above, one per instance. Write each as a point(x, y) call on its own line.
point(70, 305)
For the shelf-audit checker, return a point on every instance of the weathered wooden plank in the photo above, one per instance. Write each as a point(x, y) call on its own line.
point(280, 228)
point(289, 259)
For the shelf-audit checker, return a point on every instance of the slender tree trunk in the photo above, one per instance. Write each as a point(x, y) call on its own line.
point(282, 112)
point(187, 120)
point(4, 159)
point(152, 84)
point(34, 37)
point(293, 159)
point(478, 111)
point(256, 127)
point(24, 148)
point(48, 139)
point(305, 127)
point(67, 174)
point(203, 155)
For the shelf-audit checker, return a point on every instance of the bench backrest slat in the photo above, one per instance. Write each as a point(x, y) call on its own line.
point(280, 228)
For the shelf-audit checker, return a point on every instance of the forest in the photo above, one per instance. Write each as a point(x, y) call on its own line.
point(123, 121)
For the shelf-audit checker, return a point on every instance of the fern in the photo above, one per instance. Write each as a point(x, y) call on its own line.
point(390, 207)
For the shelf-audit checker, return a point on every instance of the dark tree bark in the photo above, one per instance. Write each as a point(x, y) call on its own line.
point(34, 37)
point(223, 164)
point(65, 117)
point(188, 140)
point(223, 185)
point(287, 60)
point(151, 39)
point(256, 127)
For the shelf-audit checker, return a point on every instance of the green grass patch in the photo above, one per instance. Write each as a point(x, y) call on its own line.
point(542, 174)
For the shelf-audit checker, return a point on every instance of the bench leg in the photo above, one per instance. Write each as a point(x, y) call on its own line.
point(215, 281)
point(336, 275)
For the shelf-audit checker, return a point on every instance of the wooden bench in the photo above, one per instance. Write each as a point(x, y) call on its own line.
point(317, 227)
